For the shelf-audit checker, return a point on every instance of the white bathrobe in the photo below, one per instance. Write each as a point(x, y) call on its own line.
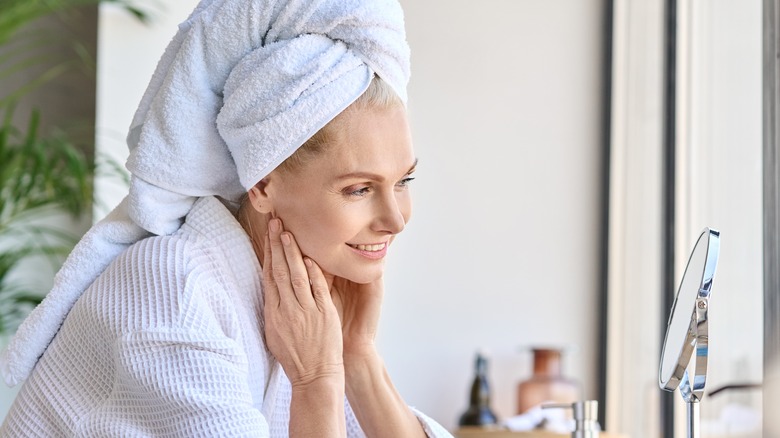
point(167, 342)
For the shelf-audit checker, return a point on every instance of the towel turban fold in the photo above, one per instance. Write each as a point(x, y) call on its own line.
point(241, 86)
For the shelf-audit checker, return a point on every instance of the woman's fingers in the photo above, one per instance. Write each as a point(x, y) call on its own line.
point(279, 271)
point(303, 330)
point(271, 293)
point(319, 285)
point(299, 278)
point(289, 275)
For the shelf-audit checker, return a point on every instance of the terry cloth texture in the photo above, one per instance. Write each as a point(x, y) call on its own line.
point(242, 85)
point(167, 342)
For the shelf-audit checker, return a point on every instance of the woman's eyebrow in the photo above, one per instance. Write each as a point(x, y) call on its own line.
point(373, 176)
point(414, 166)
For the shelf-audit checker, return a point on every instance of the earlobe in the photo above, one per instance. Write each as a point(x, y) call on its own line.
point(259, 199)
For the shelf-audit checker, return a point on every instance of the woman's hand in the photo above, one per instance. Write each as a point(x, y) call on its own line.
point(303, 332)
point(319, 327)
point(380, 410)
point(359, 307)
point(302, 326)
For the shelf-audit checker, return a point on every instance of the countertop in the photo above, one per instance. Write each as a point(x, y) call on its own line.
point(498, 433)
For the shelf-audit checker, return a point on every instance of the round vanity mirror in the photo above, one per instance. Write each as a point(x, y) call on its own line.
point(687, 326)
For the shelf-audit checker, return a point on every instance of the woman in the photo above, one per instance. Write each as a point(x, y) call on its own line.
point(236, 290)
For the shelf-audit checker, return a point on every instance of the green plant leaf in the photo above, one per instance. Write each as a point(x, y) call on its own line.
point(42, 174)
point(16, 14)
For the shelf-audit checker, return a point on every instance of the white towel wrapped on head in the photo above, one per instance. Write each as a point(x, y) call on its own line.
point(301, 108)
point(243, 84)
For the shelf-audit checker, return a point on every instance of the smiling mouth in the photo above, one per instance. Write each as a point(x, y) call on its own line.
point(370, 248)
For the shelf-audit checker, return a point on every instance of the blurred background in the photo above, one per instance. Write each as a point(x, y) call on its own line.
point(562, 184)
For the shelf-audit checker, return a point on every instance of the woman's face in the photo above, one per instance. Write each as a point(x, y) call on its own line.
point(346, 205)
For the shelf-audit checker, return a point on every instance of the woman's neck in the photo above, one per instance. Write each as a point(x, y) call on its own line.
point(255, 224)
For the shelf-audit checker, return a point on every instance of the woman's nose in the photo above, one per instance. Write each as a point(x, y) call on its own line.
point(391, 217)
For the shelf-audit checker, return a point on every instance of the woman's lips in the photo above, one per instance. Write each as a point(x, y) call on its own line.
point(373, 251)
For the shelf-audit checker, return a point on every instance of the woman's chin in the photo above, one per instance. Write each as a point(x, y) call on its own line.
point(363, 276)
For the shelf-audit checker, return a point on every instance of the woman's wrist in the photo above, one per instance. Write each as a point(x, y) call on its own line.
point(360, 355)
point(321, 380)
point(379, 408)
point(322, 391)
point(317, 407)
point(363, 369)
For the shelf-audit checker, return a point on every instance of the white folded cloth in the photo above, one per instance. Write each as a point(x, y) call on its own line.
point(241, 86)
point(538, 418)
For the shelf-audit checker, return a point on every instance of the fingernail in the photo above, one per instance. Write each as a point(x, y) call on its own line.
point(308, 262)
point(286, 239)
point(274, 224)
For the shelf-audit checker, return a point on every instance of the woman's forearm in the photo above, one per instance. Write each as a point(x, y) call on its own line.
point(317, 409)
point(379, 408)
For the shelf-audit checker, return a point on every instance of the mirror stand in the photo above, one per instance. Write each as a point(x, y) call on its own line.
point(693, 419)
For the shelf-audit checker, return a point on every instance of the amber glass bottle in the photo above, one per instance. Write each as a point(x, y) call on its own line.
point(547, 383)
point(479, 412)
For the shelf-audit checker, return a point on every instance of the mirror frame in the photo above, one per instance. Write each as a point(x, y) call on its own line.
point(697, 335)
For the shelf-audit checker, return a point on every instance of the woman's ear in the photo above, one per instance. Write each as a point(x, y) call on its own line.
point(259, 198)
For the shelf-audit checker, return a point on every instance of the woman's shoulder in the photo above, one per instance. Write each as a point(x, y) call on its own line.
point(210, 240)
point(164, 281)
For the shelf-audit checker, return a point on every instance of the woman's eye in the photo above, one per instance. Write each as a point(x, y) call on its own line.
point(357, 191)
point(363, 190)
point(405, 182)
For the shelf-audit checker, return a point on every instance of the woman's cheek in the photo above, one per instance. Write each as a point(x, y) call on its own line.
point(316, 240)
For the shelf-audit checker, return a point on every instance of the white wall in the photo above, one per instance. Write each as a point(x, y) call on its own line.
point(718, 184)
point(502, 251)
point(635, 240)
point(720, 180)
